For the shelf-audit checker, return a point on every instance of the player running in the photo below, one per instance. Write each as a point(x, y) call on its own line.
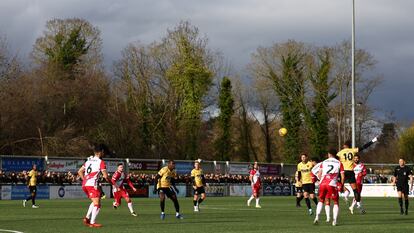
point(298, 189)
point(165, 186)
point(304, 172)
point(32, 182)
point(197, 177)
point(256, 185)
point(328, 175)
point(119, 178)
point(400, 178)
point(89, 173)
point(346, 156)
point(360, 172)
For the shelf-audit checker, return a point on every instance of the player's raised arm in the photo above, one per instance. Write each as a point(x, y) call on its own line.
point(368, 144)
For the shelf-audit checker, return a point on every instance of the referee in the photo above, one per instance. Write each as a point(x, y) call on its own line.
point(32, 182)
point(400, 178)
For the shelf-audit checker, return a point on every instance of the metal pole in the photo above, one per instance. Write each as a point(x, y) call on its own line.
point(353, 74)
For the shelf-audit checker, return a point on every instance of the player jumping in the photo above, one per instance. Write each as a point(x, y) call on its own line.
point(328, 175)
point(89, 173)
point(165, 186)
point(256, 184)
point(400, 178)
point(118, 189)
point(346, 156)
point(304, 172)
point(199, 182)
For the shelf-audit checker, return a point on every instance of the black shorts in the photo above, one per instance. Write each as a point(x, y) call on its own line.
point(298, 189)
point(350, 177)
point(403, 188)
point(199, 190)
point(169, 192)
point(309, 188)
point(33, 189)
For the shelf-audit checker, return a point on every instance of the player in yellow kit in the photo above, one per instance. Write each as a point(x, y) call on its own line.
point(197, 177)
point(304, 170)
point(298, 189)
point(32, 182)
point(346, 156)
point(165, 186)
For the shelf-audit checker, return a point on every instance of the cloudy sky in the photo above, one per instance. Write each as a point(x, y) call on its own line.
point(238, 27)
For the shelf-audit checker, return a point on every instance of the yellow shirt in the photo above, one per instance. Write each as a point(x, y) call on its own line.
point(346, 156)
point(166, 176)
point(305, 172)
point(197, 177)
point(33, 178)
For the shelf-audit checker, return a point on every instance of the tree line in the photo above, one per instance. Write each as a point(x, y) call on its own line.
point(178, 98)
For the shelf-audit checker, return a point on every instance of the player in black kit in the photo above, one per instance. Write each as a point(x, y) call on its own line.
point(401, 175)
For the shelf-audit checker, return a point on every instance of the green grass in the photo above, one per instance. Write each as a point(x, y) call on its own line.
point(217, 215)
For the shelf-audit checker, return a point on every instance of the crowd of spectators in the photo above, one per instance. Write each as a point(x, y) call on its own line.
point(47, 177)
point(68, 178)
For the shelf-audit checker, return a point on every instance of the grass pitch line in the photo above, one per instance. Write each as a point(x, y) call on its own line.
point(3, 230)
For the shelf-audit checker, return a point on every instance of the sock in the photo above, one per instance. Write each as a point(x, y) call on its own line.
point(346, 194)
point(335, 212)
point(356, 195)
point(33, 200)
point(308, 203)
point(353, 203)
point(176, 205)
point(297, 200)
point(162, 205)
point(315, 200)
point(195, 202)
point(406, 204)
point(131, 209)
point(400, 202)
point(318, 210)
point(251, 198)
point(200, 200)
point(327, 211)
point(29, 198)
point(95, 212)
point(257, 201)
point(88, 214)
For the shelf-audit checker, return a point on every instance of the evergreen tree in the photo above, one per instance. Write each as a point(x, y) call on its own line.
point(225, 103)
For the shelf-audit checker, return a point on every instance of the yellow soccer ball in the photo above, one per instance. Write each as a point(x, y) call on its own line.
point(282, 132)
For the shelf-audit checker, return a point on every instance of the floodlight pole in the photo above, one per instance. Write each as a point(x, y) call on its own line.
point(353, 74)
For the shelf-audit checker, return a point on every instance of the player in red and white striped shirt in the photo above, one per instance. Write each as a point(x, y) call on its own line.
point(360, 172)
point(328, 174)
point(89, 173)
point(119, 178)
point(256, 185)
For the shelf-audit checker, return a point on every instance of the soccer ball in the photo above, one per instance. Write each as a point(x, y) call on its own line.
point(282, 132)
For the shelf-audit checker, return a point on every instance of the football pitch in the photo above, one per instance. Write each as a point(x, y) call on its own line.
point(220, 214)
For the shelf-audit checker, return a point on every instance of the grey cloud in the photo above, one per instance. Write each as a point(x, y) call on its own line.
point(238, 27)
